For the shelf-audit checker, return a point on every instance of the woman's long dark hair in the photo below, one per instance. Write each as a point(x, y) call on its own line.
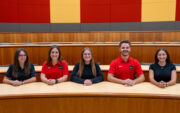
point(82, 63)
point(49, 54)
point(17, 65)
point(168, 57)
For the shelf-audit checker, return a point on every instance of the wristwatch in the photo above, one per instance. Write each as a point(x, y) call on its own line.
point(56, 81)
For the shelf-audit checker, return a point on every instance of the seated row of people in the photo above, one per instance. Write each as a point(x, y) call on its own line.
point(123, 70)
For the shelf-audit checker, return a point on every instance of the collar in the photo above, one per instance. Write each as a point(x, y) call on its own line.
point(121, 59)
point(87, 65)
point(162, 66)
point(58, 63)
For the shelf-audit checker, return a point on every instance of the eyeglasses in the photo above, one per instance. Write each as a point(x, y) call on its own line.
point(87, 54)
point(21, 55)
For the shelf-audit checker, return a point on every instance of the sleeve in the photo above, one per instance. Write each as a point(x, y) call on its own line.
point(65, 71)
point(99, 77)
point(74, 77)
point(112, 68)
point(138, 68)
point(151, 66)
point(32, 71)
point(9, 72)
point(44, 68)
point(173, 67)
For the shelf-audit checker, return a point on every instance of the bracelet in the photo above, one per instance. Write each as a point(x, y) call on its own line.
point(22, 82)
point(56, 81)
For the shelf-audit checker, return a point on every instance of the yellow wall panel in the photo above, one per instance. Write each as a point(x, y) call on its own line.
point(65, 11)
point(64, 2)
point(157, 1)
point(158, 10)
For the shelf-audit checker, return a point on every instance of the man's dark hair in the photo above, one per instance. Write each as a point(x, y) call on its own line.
point(124, 41)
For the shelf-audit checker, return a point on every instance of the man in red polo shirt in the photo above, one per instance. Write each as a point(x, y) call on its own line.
point(124, 69)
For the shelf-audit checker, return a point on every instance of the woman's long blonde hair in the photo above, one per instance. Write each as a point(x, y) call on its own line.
point(82, 63)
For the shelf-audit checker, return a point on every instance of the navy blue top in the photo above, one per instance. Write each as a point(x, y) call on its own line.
point(87, 74)
point(162, 73)
point(20, 75)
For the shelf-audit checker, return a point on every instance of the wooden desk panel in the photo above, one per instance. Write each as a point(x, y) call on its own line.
point(104, 97)
point(90, 104)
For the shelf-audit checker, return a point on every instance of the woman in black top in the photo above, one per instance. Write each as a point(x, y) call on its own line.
point(162, 73)
point(21, 72)
point(86, 72)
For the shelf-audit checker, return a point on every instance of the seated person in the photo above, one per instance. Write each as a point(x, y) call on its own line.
point(162, 73)
point(87, 71)
point(54, 70)
point(123, 69)
point(22, 71)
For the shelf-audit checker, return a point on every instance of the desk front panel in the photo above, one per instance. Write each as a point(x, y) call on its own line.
point(103, 97)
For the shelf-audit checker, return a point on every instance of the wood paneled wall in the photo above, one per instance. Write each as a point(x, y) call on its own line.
point(102, 53)
point(91, 36)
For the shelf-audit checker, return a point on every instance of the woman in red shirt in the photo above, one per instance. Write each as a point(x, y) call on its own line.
point(54, 70)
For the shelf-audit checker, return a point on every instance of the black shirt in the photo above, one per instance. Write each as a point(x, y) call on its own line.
point(162, 73)
point(20, 75)
point(87, 74)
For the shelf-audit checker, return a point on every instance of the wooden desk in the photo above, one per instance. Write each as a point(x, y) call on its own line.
point(104, 97)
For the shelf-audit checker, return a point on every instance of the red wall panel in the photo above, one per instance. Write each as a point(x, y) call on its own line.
point(6, 2)
point(94, 11)
point(125, 11)
point(125, 2)
point(34, 14)
point(177, 10)
point(34, 2)
point(10, 14)
point(25, 11)
point(95, 2)
point(8, 11)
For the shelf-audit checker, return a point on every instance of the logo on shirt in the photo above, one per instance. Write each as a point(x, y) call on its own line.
point(120, 66)
point(130, 67)
point(60, 67)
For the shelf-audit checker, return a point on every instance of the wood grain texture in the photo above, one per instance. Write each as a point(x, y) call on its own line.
point(104, 97)
point(102, 53)
point(90, 105)
point(91, 36)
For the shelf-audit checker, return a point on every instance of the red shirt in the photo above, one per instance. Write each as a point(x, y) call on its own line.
point(55, 71)
point(125, 70)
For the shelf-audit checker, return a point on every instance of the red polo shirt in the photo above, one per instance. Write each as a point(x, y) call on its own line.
point(55, 71)
point(125, 70)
